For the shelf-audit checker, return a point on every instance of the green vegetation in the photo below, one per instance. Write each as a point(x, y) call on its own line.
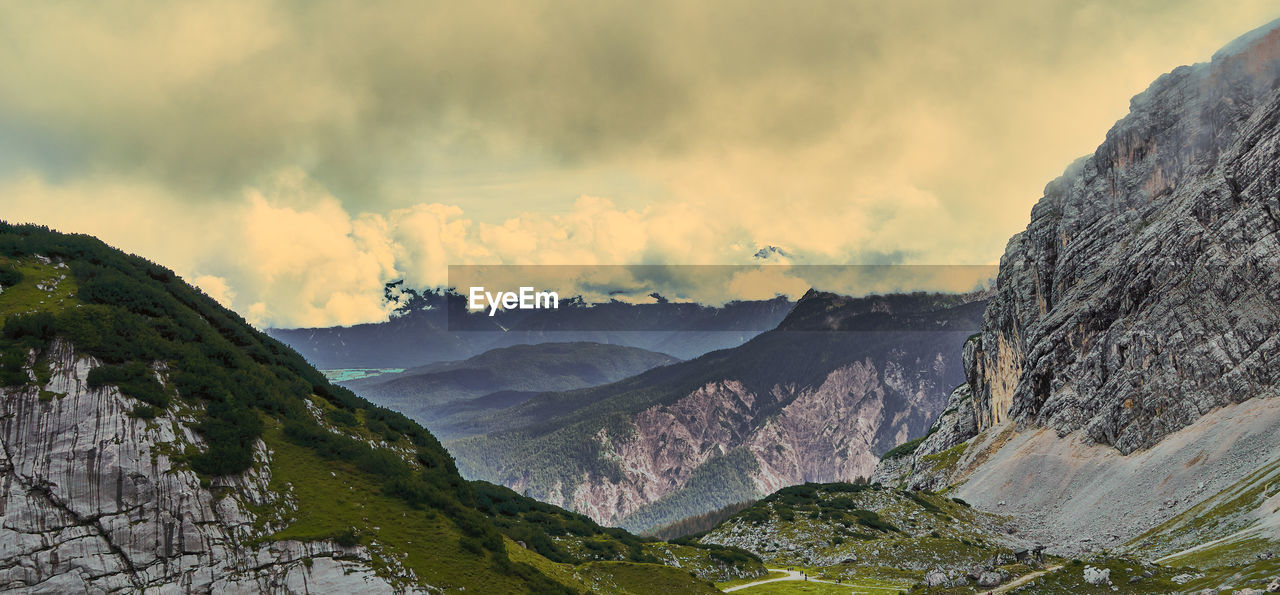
point(711, 562)
point(543, 528)
point(939, 461)
point(698, 524)
point(905, 449)
point(336, 499)
point(1126, 575)
point(30, 285)
point(133, 379)
point(772, 574)
point(878, 538)
point(717, 483)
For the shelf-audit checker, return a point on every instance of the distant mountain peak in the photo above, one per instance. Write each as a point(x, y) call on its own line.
point(771, 253)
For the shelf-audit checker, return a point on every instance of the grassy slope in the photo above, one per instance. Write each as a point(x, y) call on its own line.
point(26, 296)
point(789, 587)
point(330, 497)
point(615, 577)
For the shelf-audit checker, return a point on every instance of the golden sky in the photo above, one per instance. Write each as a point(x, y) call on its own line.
point(291, 157)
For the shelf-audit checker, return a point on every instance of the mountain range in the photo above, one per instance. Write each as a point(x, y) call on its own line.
point(1103, 420)
point(448, 396)
point(838, 382)
point(435, 326)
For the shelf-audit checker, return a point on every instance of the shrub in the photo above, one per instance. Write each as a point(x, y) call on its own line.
point(10, 276)
point(906, 448)
point(343, 417)
point(133, 380)
point(871, 520)
point(347, 538)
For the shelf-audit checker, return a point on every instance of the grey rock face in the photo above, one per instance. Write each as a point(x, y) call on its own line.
point(1144, 292)
point(90, 501)
point(936, 579)
point(956, 424)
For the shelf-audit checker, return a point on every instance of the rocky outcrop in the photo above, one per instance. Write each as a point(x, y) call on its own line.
point(1126, 360)
point(924, 468)
point(91, 499)
point(1143, 293)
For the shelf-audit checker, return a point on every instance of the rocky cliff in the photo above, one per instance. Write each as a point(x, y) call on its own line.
point(815, 433)
point(1127, 358)
point(1143, 292)
point(92, 500)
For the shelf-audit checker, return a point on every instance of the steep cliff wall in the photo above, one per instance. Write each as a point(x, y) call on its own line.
point(821, 434)
point(91, 499)
point(1127, 359)
point(1143, 293)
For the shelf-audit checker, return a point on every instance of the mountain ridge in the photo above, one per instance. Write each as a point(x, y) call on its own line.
point(149, 438)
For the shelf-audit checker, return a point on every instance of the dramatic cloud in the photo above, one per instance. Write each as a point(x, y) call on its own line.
point(290, 158)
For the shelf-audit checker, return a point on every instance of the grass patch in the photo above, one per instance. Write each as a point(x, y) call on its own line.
point(337, 501)
point(631, 578)
point(744, 581)
point(946, 459)
point(905, 449)
point(40, 287)
point(790, 587)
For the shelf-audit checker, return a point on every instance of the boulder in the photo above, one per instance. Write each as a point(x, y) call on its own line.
point(989, 579)
point(1097, 576)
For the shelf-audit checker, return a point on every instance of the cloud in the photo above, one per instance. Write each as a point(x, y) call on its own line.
point(294, 157)
point(287, 253)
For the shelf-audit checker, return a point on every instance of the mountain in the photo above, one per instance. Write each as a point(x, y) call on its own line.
point(436, 327)
point(151, 440)
point(445, 396)
point(838, 382)
point(1121, 393)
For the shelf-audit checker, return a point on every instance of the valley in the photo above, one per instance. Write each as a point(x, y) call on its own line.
point(1101, 417)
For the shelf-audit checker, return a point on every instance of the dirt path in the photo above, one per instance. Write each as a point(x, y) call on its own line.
point(1207, 544)
point(792, 575)
point(1005, 588)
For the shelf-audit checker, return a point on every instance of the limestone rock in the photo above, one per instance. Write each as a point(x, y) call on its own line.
point(91, 501)
point(989, 579)
point(1142, 293)
point(1097, 576)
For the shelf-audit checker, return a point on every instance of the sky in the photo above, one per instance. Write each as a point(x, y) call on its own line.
point(289, 158)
